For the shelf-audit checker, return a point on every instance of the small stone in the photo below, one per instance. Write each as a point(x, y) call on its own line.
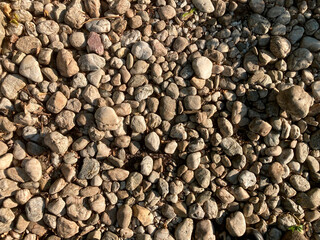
point(247, 179)
point(315, 140)
point(300, 59)
point(29, 45)
point(257, 6)
point(258, 24)
point(146, 166)
point(260, 127)
point(29, 68)
point(11, 85)
point(91, 62)
point(8, 187)
point(66, 228)
point(231, 146)
point(33, 168)
point(89, 169)
point(35, 209)
point(152, 141)
point(204, 5)
point(22, 196)
point(184, 229)
point(118, 174)
point(167, 12)
point(48, 27)
point(295, 101)
point(143, 214)
point(143, 92)
point(138, 124)
point(192, 102)
point(280, 47)
point(57, 142)
point(66, 64)
point(6, 216)
point(75, 15)
point(203, 177)
point(78, 40)
point(202, 67)
point(133, 181)
point(121, 6)
point(299, 183)
point(141, 50)
point(56, 102)
point(93, 8)
point(167, 108)
point(124, 215)
point(95, 44)
point(5, 161)
point(180, 44)
point(106, 119)
point(204, 230)
point(236, 224)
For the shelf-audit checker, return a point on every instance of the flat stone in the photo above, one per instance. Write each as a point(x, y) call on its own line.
point(95, 44)
point(66, 228)
point(29, 45)
point(89, 169)
point(11, 85)
point(231, 147)
point(143, 214)
point(35, 209)
point(91, 62)
point(29, 68)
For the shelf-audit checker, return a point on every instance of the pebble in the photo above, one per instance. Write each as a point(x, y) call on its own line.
point(57, 142)
point(236, 224)
point(124, 215)
point(29, 68)
point(295, 101)
point(202, 67)
point(29, 45)
point(35, 209)
point(7, 217)
point(299, 183)
point(89, 169)
point(94, 43)
point(167, 12)
point(184, 229)
point(56, 102)
point(247, 179)
point(204, 230)
point(146, 165)
point(66, 64)
point(231, 146)
point(141, 50)
point(11, 85)
point(5, 161)
point(204, 5)
point(91, 62)
point(33, 169)
point(299, 59)
point(152, 141)
point(143, 215)
point(66, 228)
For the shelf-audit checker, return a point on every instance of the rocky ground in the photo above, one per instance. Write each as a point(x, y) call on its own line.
point(155, 119)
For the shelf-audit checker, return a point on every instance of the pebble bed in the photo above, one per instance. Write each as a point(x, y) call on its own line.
point(160, 119)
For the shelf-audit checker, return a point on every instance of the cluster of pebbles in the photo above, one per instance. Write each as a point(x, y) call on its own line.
point(159, 119)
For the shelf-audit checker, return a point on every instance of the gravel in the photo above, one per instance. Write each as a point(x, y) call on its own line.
point(159, 119)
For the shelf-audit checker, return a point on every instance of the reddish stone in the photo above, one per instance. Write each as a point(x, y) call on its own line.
point(95, 44)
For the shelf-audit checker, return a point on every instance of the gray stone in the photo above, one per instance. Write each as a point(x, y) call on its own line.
point(124, 215)
point(35, 209)
point(33, 169)
point(315, 140)
point(11, 85)
point(167, 12)
point(280, 47)
point(184, 229)
point(143, 92)
point(91, 62)
point(66, 228)
point(89, 169)
point(247, 179)
point(310, 43)
point(300, 59)
point(152, 141)
point(75, 14)
point(141, 50)
point(6, 216)
point(203, 177)
point(204, 230)
point(57, 142)
point(299, 183)
point(167, 108)
point(29, 45)
point(258, 24)
point(98, 26)
point(202, 67)
point(231, 147)
point(204, 5)
point(48, 27)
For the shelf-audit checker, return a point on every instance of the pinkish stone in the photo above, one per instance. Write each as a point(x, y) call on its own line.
point(95, 44)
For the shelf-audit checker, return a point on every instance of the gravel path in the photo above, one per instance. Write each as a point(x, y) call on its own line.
point(159, 119)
